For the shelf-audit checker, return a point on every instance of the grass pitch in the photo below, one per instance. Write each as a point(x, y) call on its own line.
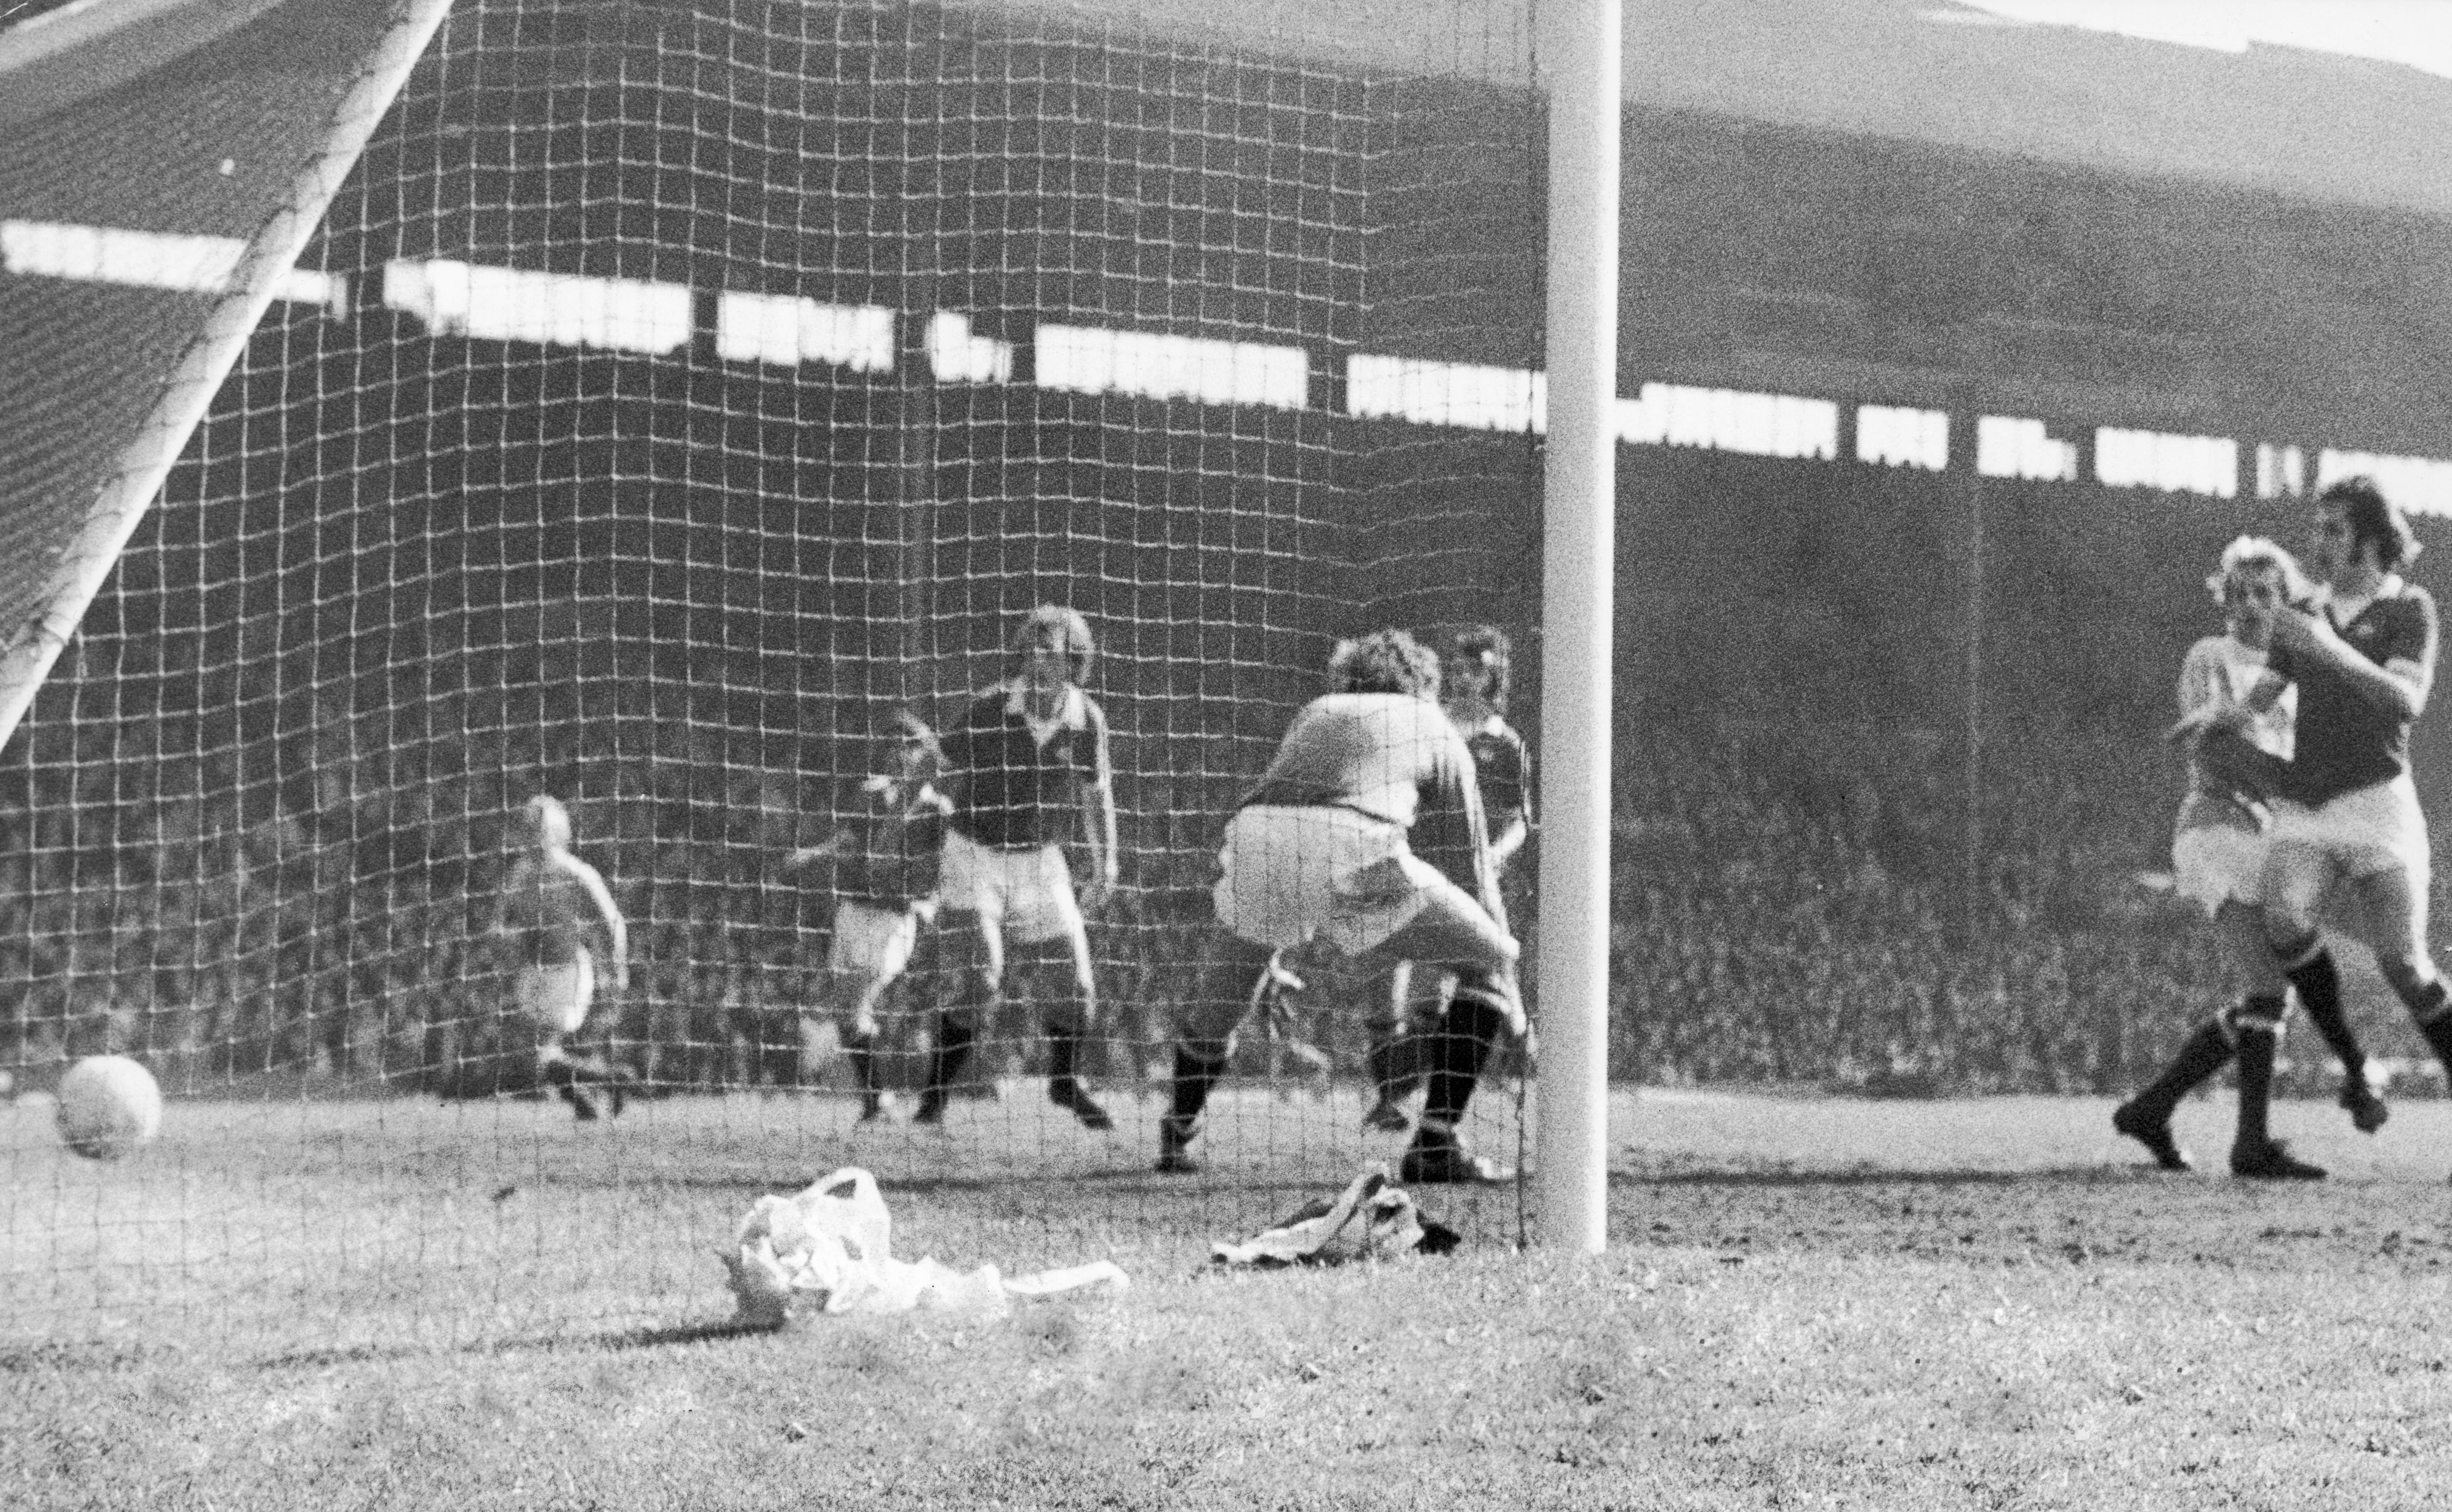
point(1807, 1301)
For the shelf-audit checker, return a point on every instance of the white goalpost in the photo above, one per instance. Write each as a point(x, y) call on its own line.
point(1581, 64)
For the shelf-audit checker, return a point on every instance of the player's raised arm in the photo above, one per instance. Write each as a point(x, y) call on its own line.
point(608, 919)
point(1097, 797)
point(2398, 686)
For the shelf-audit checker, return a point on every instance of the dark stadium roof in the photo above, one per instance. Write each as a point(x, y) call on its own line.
point(2322, 124)
point(2236, 109)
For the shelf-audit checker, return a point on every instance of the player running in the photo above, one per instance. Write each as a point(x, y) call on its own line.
point(1028, 759)
point(2346, 819)
point(1366, 830)
point(1473, 689)
point(884, 885)
point(2217, 856)
point(551, 906)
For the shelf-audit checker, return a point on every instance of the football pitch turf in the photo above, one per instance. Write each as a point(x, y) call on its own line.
point(1807, 1301)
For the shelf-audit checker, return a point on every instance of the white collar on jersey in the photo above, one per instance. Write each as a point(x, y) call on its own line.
point(1069, 714)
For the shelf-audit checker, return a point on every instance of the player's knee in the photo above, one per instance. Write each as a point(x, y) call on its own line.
point(2407, 971)
point(2260, 1015)
point(2294, 943)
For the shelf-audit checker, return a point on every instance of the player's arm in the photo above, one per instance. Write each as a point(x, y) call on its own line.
point(608, 919)
point(2399, 684)
point(1513, 786)
point(832, 845)
point(1098, 793)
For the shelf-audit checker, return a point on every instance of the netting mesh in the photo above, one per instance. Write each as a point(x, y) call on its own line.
point(708, 382)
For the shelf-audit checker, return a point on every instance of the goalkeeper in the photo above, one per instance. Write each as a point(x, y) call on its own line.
point(1366, 830)
point(552, 905)
point(885, 886)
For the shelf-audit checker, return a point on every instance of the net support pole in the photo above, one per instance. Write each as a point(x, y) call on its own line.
point(1579, 500)
point(136, 475)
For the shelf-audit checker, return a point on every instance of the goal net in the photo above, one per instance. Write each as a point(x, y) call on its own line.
point(674, 393)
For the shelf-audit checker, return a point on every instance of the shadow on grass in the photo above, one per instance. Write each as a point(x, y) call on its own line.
point(1886, 1176)
point(657, 1338)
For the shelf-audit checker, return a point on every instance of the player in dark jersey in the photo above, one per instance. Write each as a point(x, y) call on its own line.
point(552, 907)
point(2346, 820)
point(1473, 689)
point(1366, 830)
point(1028, 768)
point(2346, 823)
point(2218, 859)
point(884, 885)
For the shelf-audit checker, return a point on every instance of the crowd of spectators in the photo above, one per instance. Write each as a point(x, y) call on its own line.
point(1791, 906)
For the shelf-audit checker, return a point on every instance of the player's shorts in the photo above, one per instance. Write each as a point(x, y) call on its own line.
point(2220, 862)
point(2379, 828)
point(1289, 874)
point(1028, 891)
point(556, 998)
point(871, 940)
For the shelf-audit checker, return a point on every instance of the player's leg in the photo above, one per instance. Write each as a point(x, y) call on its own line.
point(872, 948)
point(556, 1000)
point(2393, 904)
point(2301, 869)
point(971, 954)
point(1205, 1025)
point(1403, 1003)
point(1046, 920)
point(1454, 932)
point(973, 943)
point(2146, 1116)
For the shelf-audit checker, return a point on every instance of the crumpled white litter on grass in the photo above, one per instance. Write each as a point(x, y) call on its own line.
point(829, 1249)
point(1372, 1219)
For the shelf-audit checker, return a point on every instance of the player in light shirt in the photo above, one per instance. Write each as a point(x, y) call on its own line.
point(552, 908)
point(1366, 830)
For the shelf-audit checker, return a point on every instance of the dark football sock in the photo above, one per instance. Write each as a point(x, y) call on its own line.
point(954, 1040)
point(2319, 984)
point(2258, 1022)
point(1194, 1074)
point(1456, 1052)
point(1396, 1066)
point(2204, 1051)
point(1063, 1056)
point(2434, 1015)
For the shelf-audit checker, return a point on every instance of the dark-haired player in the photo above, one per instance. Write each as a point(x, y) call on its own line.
point(2218, 857)
point(2346, 822)
point(1473, 689)
point(1027, 767)
point(1366, 830)
point(551, 908)
point(884, 884)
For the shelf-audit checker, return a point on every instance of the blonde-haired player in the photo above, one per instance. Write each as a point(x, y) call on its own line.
point(551, 908)
point(1027, 768)
point(2219, 852)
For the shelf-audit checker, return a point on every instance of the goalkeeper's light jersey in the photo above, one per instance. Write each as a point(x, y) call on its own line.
point(1396, 757)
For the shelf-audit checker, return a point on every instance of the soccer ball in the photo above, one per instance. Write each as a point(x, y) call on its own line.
point(110, 1107)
